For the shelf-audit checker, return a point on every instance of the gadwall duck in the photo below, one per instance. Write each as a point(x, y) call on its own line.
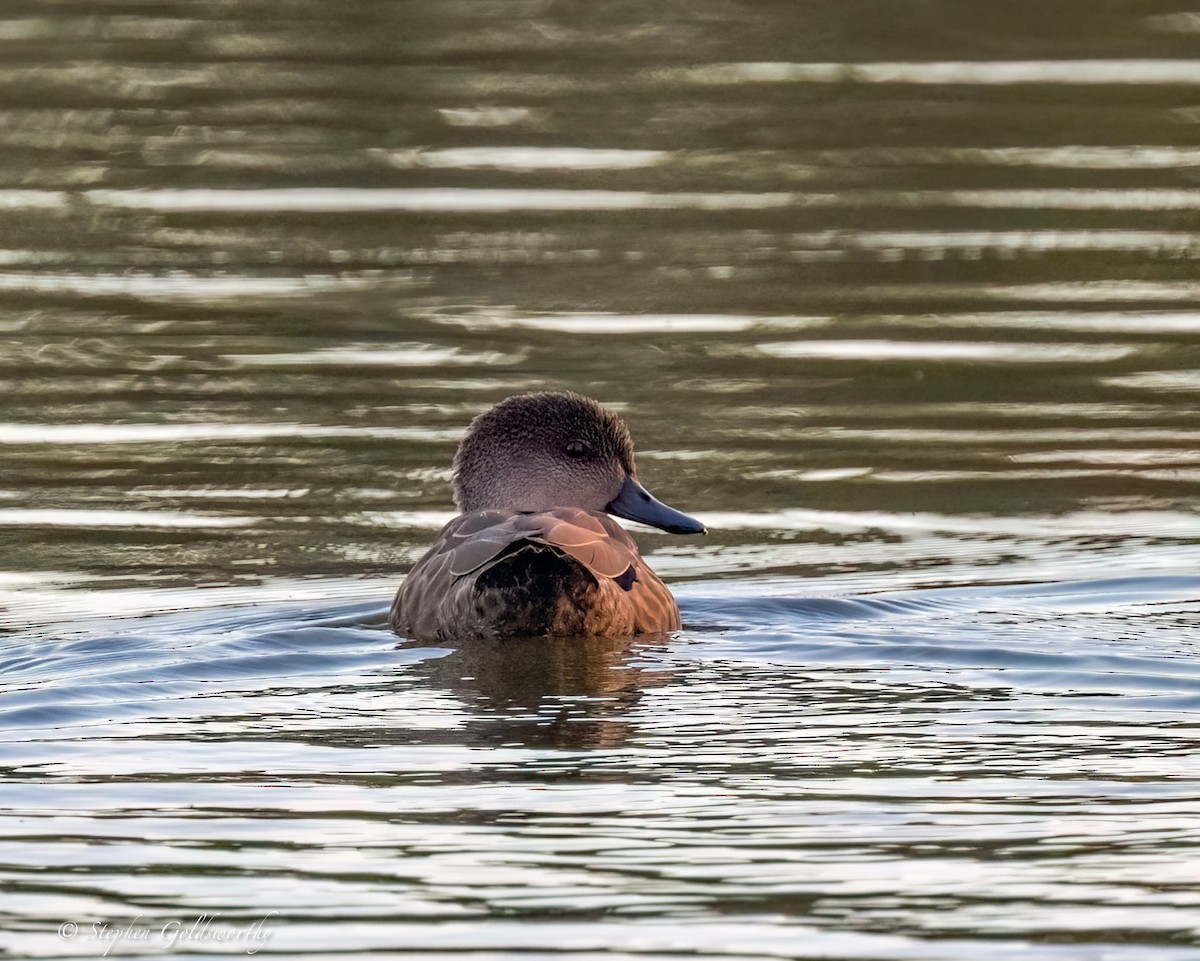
point(534, 550)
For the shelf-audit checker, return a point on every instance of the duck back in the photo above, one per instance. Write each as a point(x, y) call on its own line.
point(565, 571)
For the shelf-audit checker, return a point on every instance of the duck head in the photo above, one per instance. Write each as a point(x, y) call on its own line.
point(534, 452)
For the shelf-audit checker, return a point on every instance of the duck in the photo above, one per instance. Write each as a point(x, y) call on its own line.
point(535, 550)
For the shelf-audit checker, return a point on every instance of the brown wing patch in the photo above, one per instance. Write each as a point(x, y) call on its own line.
point(587, 538)
point(566, 534)
point(584, 520)
point(602, 558)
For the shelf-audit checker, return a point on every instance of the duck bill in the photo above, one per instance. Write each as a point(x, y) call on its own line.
point(636, 503)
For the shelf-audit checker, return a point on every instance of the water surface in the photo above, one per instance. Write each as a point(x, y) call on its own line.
point(899, 299)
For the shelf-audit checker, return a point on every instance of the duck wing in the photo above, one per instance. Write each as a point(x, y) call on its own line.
point(474, 540)
point(595, 540)
point(471, 543)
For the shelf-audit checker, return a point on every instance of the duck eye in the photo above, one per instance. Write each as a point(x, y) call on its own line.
point(576, 449)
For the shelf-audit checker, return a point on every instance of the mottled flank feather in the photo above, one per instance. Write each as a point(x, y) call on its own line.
point(565, 571)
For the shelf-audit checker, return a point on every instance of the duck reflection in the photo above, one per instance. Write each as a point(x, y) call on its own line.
point(568, 692)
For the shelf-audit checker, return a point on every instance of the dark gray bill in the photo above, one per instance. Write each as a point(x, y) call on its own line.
point(636, 503)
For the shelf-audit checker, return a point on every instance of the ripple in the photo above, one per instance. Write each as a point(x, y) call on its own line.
point(992, 436)
point(1080, 523)
point(164, 433)
point(425, 520)
point(1079, 156)
point(414, 355)
point(972, 72)
point(1052, 292)
point(481, 200)
point(1183, 381)
point(221, 493)
point(178, 285)
point(756, 937)
point(33, 199)
point(1067, 198)
point(530, 158)
point(1138, 457)
point(440, 199)
point(929, 242)
point(1006, 353)
point(588, 323)
point(62, 598)
point(13, 517)
point(1175, 22)
point(112, 28)
point(491, 116)
point(1108, 322)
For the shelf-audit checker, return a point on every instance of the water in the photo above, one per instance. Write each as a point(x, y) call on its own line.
point(899, 299)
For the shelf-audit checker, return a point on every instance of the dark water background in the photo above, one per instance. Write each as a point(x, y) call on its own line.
point(900, 298)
